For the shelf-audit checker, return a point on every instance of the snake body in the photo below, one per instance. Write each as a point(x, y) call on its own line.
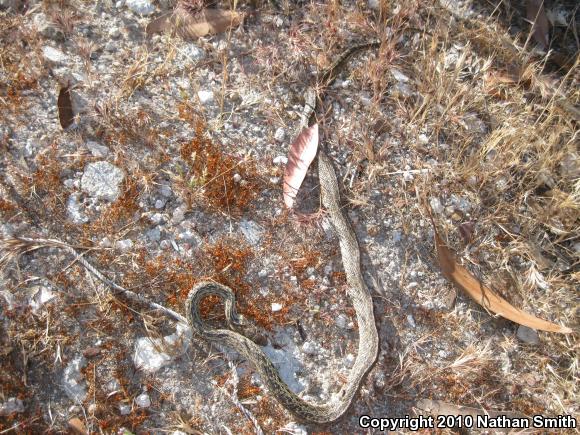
point(357, 291)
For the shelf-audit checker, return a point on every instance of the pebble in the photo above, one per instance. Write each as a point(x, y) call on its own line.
point(53, 55)
point(74, 211)
point(160, 203)
point(41, 295)
point(205, 96)
point(251, 231)
point(280, 134)
point(96, 149)
point(237, 178)
point(276, 307)
point(124, 409)
point(102, 180)
point(143, 400)
point(154, 235)
point(73, 383)
point(310, 348)
point(124, 245)
point(280, 160)
point(436, 205)
point(411, 321)
point(528, 335)
point(349, 360)
point(141, 7)
point(166, 191)
point(179, 214)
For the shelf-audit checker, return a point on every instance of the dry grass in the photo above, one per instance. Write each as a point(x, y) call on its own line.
point(481, 118)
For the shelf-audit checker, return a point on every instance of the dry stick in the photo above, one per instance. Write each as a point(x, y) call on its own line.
point(13, 247)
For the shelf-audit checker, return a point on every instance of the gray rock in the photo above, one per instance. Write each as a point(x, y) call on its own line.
point(141, 7)
point(74, 385)
point(143, 400)
point(205, 96)
point(11, 406)
point(166, 191)
point(528, 335)
point(160, 203)
point(124, 409)
point(124, 245)
point(280, 134)
point(178, 214)
point(96, 149)
point(102, 180)
point(154, 235)
point(251, 231)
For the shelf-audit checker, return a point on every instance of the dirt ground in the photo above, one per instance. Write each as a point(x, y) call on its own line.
point(168, 162)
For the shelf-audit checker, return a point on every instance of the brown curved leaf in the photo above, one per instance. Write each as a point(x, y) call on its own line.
point(190, 26)
point(66, 115)
point(484, 295)
point(301, 154)
point(540, 25)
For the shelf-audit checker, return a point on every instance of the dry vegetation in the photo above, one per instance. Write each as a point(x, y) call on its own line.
point(458, 109)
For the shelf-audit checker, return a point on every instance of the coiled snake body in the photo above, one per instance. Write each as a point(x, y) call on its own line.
point(357, 291)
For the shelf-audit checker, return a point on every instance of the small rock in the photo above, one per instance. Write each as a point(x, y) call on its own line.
point(411, 321)
point(102, 180)
point(141, 7)
point(375, 5)
point(341, 321)
point(205, 96)
point(41, 295)
point(436, 205)
point(237, 178)
point(53, 55)
point(528, 335)
point(11, 406)
point(73, 209)
point(160, 203)
point(166, 191)
point(178, 214)
point(310, 348)
point(280, 160)
point(349, 360)
point(276, 307)
point(399, 76)
point(124, 409)
point(154, 234)
point(124, 245)
point(280, 134)
point(96, 149)
point(143, 400)
point(251, 231)
point(73, 383)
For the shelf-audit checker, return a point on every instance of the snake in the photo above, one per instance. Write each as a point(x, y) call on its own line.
point(357, 290)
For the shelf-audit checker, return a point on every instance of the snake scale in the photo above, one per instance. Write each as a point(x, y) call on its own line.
point(357, 291)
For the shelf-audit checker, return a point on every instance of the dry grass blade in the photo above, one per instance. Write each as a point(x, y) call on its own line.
point(66, 115)
point(536, 14)
point(484, 295)
point(190, 26)
point(301, 154)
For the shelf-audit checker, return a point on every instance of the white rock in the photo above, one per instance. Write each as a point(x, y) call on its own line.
point(349, 360)
point(124, 409)
point(143, 400)
point(178, 214)
point(280, 134)
point(411, 321)
point(11, 406)
point(74, 210)
point(399, 76)
point(280, 160)
point(436, 205)
point(141, 7)
point(148, 354)
point(102, 180)
point(124, 245)
point(73, 383)
point(205, 96)
point(53, 55)
point(310, 348)
point(237, 178)
point(276, 307)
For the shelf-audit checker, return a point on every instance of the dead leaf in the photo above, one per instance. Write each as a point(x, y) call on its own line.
point(484, 295)
point(438, 407)
point(77, 426)
point(301, 154)
point(536, 15)
point(66, 115)
point(189, 25)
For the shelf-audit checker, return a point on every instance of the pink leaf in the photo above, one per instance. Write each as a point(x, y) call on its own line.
point(301, 154)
